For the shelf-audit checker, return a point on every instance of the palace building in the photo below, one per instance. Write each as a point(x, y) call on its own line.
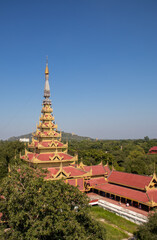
point(48, 151)
point(153, 150)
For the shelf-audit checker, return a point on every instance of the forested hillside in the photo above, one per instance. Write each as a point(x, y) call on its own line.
point(65, 137)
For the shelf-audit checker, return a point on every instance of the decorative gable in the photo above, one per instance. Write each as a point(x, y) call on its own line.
point(81, 165)
point(56, 157)
point(61, 173)
point(153, 183)
point(53, 144)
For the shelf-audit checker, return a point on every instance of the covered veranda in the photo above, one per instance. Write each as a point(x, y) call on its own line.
point(93, 196)
point(125, 196)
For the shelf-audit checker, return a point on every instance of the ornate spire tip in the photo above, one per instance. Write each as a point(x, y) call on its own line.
point(46, 69)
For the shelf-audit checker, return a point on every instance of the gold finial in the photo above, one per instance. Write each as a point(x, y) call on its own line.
point(46, 69)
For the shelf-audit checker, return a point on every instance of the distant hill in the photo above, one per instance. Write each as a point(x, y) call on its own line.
point(65, 137)
point(29, 135)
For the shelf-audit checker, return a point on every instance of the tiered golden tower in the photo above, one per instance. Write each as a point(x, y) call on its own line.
point(47, 151)
point(46, 148)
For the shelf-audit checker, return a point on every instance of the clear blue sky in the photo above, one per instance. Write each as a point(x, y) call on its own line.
point(102, 63)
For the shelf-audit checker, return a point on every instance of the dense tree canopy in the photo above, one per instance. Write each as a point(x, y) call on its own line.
point(9, 155)
point(36, 209)
point(125, 155)
point(148, 230)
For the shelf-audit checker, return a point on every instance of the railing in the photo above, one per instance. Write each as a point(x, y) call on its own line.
point(126, 213)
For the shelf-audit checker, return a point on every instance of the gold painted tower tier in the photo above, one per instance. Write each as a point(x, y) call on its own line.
point(46, 148)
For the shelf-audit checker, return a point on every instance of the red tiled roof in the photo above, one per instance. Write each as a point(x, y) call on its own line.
point(44, 144)
point(77, 182)
point(46, 156)
point(72, 182)
point(80, 184)
point(51, 171)
point(152, 194)
point(96, 181)
point(48, 123)
point(65, 156)
point(153, 149)
point(107, 169)
point(36, 143)
point(129, 179)
point(96, 169)
point(73, 171)
point(46, 133)
point(48, 143)
point(132, 194)
point(46, 116)
point(30, 156)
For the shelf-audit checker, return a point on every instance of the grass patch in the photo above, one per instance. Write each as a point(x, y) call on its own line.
point(114, 233)
point(112, 218)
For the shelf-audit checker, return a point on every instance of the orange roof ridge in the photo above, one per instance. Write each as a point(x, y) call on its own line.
point(148, 196)
point(133, 173)
point(110, 173)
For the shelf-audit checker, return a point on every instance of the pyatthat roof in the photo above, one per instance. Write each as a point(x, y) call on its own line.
point(70, 170)
point(47, 143)
point(47, 156)
point(129, 179)
point(48, 133)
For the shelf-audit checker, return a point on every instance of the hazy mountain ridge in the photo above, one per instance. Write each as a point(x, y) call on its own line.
point(65, 137)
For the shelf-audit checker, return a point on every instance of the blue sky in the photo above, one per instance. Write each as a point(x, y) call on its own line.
point(102, 63)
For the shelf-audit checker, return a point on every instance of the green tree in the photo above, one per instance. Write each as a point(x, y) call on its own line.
point(9, 155)
point(41, 210)
point(146, 138)
point(148, 230)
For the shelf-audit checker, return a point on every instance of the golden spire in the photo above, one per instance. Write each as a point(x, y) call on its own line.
point(47, 87)
point(46, 69)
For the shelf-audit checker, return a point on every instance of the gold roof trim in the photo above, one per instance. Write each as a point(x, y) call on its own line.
point(152, 183)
